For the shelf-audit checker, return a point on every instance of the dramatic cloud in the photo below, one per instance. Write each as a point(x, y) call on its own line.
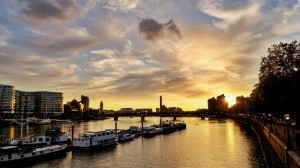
point(152, 30)
point(40, 11)
point(191, 51)
point(70, 40)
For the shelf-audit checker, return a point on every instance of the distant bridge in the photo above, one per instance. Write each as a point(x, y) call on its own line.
point(176, 114)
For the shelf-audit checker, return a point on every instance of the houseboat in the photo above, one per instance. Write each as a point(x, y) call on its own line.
point(135, 129)
point(52, 136)
point(57, 136)
point(19, 155)
point(125, 137)
point(151, 131)
point(89, 140)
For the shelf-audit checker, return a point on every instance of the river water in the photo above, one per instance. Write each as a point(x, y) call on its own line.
point(204, 143)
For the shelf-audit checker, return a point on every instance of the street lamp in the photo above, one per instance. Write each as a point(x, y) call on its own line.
point(270, 116)
point(289, 144)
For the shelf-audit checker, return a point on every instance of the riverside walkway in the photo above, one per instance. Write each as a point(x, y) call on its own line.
point(278, 138)
point(281, 132)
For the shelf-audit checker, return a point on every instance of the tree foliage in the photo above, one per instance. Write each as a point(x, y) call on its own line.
point(279, 81)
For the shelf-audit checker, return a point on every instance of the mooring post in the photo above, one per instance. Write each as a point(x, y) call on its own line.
point(116, 124)
point(142, 119)
point(73, 123)
point(174, 117)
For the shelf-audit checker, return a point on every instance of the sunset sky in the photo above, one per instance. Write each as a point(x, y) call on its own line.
point(129, 52)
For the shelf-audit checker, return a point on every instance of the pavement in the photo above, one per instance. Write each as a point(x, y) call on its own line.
point(281, 132)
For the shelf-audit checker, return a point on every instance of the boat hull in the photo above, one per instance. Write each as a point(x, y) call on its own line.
point(95, 147)
point(30, 159)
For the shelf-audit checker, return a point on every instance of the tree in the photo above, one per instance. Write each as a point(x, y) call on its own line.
point(279, 80)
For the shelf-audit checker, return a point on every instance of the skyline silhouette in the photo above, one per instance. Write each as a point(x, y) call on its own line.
point(131, 52)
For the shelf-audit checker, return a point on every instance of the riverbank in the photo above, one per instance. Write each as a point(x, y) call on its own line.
point(274, 142)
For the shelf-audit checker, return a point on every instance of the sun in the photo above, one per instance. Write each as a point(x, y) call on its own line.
point(230, 100)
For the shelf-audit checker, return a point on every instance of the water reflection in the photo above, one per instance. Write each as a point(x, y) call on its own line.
point(204, 143)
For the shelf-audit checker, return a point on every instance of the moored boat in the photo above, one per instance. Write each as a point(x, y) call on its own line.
point(52, 136)
point(89, 140)
point(57, 136)
point(125, 137)
point(38, 121)
point(151, 131)
point(135, 129)
point(168, 128)
point(11, 155)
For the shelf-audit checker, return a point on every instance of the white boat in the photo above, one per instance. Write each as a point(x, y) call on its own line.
point(126, 137)
point(38, 121)
point(90, 140)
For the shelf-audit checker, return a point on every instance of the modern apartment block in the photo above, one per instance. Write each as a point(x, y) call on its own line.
point(40, 103)
point(7, 99)
point(25, 103)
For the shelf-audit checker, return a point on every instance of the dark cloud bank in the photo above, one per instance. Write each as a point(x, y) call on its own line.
point(152, 30)
point(47, 9)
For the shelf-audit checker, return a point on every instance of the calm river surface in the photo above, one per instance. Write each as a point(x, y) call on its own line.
point(204, 143)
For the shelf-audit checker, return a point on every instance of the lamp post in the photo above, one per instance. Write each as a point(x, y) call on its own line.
point(270, 116)
point(289, 144)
